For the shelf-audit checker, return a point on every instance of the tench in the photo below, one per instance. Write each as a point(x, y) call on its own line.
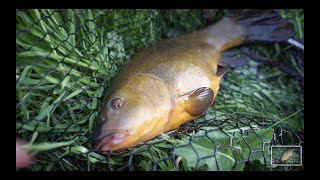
point(176, 80)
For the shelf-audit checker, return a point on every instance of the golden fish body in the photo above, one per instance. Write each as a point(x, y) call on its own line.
point(165, 85)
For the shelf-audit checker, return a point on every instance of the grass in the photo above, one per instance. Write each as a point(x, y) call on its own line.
point(65, 60)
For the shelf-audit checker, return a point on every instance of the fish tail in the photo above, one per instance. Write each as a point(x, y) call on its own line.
point(262, 25)
point(248, 26)
point(241, 26)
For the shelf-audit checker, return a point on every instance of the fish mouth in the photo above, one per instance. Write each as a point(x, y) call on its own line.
point(107, 141)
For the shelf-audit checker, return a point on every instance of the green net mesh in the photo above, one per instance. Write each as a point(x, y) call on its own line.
point(65, 60)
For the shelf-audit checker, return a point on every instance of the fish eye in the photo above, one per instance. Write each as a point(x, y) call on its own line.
point(117, 103)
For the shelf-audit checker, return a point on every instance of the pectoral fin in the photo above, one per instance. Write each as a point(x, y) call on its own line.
point(198, 101)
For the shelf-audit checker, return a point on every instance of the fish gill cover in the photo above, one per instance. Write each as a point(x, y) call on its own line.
point(65, 60)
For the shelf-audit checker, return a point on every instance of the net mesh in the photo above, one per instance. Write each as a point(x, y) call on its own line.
point(65, 60)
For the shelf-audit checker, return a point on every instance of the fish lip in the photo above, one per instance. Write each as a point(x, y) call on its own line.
point(99, 142)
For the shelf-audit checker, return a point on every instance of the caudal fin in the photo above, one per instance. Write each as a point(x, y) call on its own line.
point(262, 25)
